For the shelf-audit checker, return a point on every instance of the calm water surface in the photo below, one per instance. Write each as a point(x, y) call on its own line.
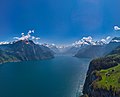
point(58, 77)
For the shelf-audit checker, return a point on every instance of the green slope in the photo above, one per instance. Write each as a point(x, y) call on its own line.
point(110, 78)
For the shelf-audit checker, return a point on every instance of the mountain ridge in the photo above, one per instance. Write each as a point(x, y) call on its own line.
point(24, 50)
point(95, 51)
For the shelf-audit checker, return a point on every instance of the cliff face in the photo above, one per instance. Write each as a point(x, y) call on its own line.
point(23, 51)
point(91, 87)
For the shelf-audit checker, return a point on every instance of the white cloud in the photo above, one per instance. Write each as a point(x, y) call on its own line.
point(4, 42)
point(33, 37)
point(17, 38)
point(103, 40)
point(22, 34)
point(37, 38)
point(107, 38)
point(89, 41)
point(27, 37)
point(32, 31)
point(84, 41)
point(115, 41)
point(116, 28)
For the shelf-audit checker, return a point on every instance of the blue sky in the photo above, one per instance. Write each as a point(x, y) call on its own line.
point(59, 21)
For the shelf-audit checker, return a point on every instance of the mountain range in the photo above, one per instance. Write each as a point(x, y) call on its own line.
point(24, 50)
point(77, 45)
point(86, 47)
point(94, 51)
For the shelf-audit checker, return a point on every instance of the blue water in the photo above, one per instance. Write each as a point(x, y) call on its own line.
point(58, 77)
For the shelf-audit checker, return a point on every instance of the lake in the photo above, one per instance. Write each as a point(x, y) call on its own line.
point(58, 77)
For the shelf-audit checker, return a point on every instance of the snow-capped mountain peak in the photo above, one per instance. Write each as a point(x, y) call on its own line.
point(89, 41)
point(116, 39)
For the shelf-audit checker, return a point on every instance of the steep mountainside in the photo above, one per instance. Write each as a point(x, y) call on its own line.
point(91, 51)
point(95, 51)
point(24, 50)
point(103, 76)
